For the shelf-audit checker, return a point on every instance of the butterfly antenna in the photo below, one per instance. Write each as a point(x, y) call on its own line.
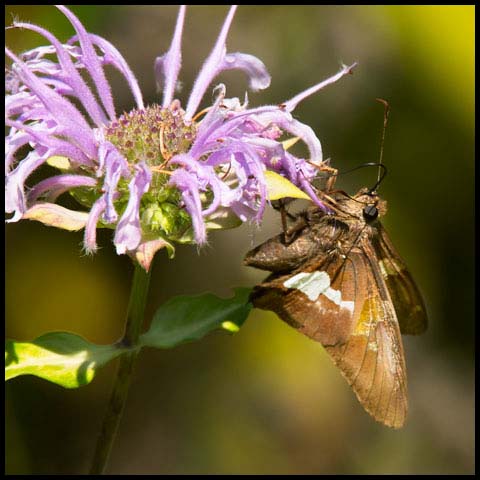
point(381, 174)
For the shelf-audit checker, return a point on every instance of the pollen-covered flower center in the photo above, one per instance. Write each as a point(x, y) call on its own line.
point(153, 135)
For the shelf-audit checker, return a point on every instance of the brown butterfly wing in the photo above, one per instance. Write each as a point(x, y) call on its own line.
point(322, 320)
point(404, 293)
point(372, 359)
point(360, 332)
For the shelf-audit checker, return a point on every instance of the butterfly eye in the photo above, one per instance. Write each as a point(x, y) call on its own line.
point(370, 212)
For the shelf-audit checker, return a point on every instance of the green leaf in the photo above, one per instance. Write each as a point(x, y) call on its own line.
point(62, 358)
point(71, 361)
point(279, 187)
point(186, 318)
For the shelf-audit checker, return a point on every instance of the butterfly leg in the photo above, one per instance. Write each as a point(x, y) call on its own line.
point(280, 205)
point(331, 177)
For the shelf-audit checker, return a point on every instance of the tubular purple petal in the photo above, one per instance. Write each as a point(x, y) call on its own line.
point(258, 76)
point(90, 237)
point(220, 127)
point(71, 76)
point(14, 184)
point(168, 65)
point(13, 142)
point(213, 113)
point(291, 104)
point(216, 186)
point(91, 62)
point(113, 57)
point(256, 185)
point(285, 121)
point(188, 186)
point(289, 165)
point(210, 67)
point(242, 211)
point(69, 119)
point(59, 184)
point(128, 233)
point(56, 146)
point(191, 205)
point(115, 167)
point(305, 184)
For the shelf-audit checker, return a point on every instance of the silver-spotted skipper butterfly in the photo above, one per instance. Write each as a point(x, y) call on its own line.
point(338, 279)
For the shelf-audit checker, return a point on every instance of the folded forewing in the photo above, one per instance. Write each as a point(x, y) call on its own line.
point(372, 359)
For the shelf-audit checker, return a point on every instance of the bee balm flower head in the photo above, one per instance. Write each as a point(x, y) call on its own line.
point(158, 174)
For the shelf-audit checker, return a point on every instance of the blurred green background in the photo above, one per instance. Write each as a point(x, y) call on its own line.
point(268, 400)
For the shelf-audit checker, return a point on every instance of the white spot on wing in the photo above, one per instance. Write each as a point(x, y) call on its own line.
point(315, 284)
point(311, 284)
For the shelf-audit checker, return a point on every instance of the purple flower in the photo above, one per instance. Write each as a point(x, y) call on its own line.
point(160, 173)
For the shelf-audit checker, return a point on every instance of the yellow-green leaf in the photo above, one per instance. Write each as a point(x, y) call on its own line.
point(290, 142)
point(279, 187)
point(230, 327)
point(57, 216)
point(62, 163)
point(62, 358)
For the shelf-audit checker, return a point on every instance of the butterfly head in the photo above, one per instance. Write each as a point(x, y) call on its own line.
point(365, 205)
point(372, 206)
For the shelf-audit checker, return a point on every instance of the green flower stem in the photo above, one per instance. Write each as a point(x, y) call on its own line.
point(135, 315)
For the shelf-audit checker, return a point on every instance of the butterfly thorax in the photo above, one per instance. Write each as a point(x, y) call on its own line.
point(316, 232)
point(351, 208)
